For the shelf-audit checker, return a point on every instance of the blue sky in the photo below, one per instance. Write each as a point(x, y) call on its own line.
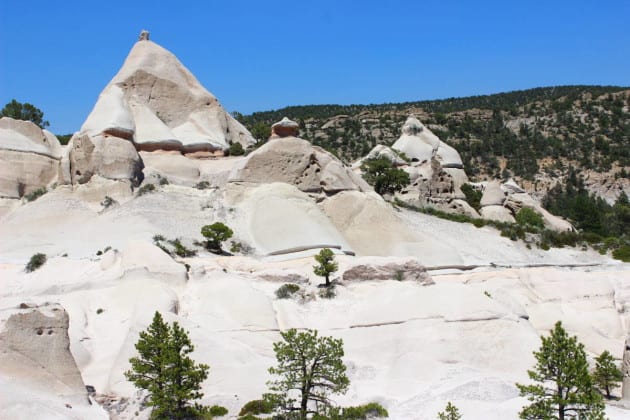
point(262, 55)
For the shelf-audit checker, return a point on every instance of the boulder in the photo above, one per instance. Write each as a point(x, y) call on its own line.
point(285, 128)
point(448, 156)
point(493, 195)
point(512, 187)
point(383, 152)
point(35, 345)
point(407, 270)
point(417, 141)
point(29, 158)
point(295, 161)
point(497, 213)
point(104, 155)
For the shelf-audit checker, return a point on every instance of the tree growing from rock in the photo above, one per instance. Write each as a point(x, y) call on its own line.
point(309, 369)
point(163, 368)
point(215, 235)
point(563, 388)
point(451, 412)
point(327, 264)
point(383, 176)
point(606, 375)
point(24, 111)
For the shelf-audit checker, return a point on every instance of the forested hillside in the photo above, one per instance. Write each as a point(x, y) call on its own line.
point(534, 135)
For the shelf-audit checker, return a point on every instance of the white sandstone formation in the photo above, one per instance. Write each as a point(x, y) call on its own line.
point(29, 158)
point(297, 162)
point(436, 174)
point(35, 356)
point(282, 219)
point(153, 103)
point(436, 171)
point(492, 201)
point(417, 141)
point(104, 155)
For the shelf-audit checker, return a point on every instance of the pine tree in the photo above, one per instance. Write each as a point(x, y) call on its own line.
point(451, 412)
point(564, 389)
point(606, 374)
point(172, 379)
point(327, 264)
point(310, 365)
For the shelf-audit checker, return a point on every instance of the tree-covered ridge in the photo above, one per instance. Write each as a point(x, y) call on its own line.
point(520, 133)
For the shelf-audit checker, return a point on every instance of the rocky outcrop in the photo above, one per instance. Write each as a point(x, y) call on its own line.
point(29, 158)
point(492, 201)
point(105, 155)
point(35, 342)
point(295, 161)
point(282, 276)
point(493, 195)
point(408, 270)
point(435, 169)
point(285, 128)
point(153, 103)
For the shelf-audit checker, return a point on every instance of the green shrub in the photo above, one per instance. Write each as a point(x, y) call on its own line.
point(236, 149)
point(473, 196)
point(479, 223)
point(256, 407)
point(145, 189)
point(217, 411)
point(164, 181)
point(35, 262)
point(363, 412)
point(528, 217)
point(287, 290)
point(622, 253)
point(180, 250)
point(32, 196)
point(99, 311)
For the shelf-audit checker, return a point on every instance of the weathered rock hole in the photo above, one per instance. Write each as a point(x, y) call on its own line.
point(50, 332)
point(40, 331)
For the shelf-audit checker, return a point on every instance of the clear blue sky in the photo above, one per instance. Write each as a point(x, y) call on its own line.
point(262, 55)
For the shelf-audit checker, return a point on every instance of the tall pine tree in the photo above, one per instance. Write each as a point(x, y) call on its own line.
point(563, 389)
point(163, 368)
